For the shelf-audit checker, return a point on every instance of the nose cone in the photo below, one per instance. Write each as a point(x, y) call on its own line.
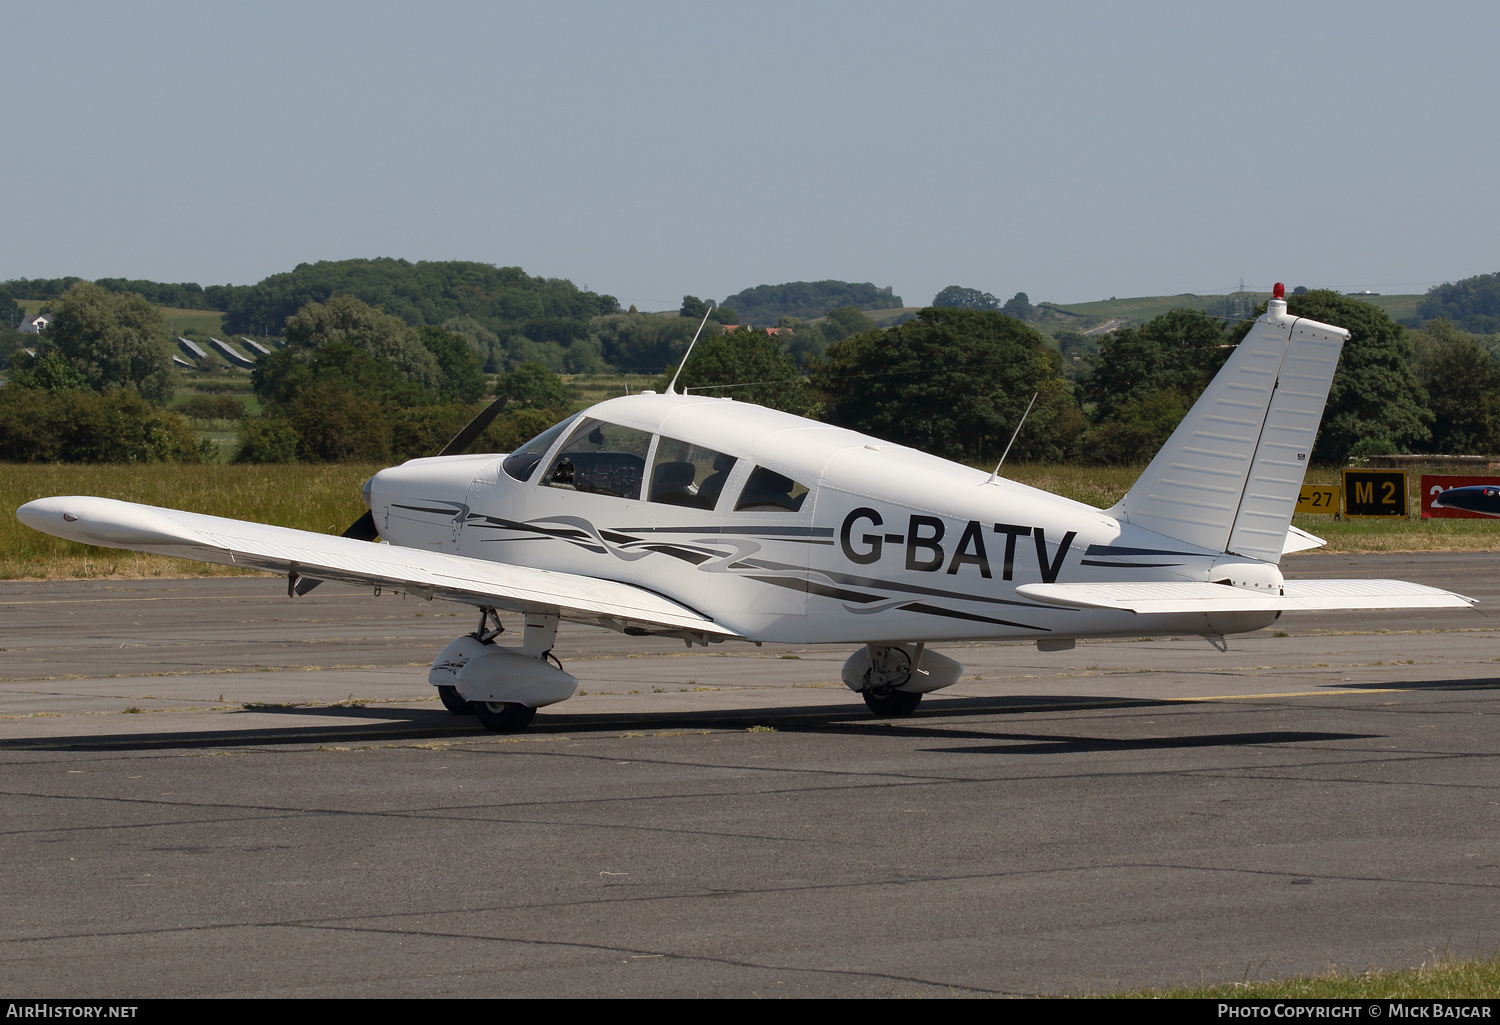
point(1481, 499)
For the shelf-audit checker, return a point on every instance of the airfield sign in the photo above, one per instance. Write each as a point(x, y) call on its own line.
point(1319, 498)
point(1375, 493)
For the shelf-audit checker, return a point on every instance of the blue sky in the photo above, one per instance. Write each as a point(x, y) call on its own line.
point(1071, 151)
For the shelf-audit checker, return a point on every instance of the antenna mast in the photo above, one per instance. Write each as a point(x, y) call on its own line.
point(1013, 438)
point(672, 388)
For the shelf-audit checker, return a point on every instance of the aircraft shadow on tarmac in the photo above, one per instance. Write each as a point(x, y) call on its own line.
point(1479, 684)
point(935, 720)
point(1053, 744)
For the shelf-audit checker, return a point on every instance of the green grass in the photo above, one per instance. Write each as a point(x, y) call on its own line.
point(886, 318)
point(1445, 978)
point(311, 497)
point(587, 389)
point(1143, 308)
point(209, 322)
point(220, 384)
point(1397, 307)
point(232, 381)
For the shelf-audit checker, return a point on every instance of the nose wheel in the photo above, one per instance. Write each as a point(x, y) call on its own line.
point(503, 717)
point(890, 667)
point(896, 702)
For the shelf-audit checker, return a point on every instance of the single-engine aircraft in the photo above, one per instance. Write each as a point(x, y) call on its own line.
point(711, 520)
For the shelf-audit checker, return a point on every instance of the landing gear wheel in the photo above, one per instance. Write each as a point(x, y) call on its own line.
point(454, 702)
point(503, 717)
point(895, 702)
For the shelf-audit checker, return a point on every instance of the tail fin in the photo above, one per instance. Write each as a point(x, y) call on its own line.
point(1228, 477)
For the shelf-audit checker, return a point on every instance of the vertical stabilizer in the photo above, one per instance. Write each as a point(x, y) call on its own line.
point(1228, 477)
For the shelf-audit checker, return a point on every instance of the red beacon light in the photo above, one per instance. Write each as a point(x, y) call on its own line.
point(1279, 291)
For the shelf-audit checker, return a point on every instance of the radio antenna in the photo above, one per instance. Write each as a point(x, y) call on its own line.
point(1013, 438)
point(672, 388)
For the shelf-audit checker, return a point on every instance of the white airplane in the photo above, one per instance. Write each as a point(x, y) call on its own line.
point(713, 520)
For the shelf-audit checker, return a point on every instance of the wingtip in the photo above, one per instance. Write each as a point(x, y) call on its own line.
point(103, 521)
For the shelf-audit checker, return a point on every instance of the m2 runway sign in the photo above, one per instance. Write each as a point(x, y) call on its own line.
point(1375, 493)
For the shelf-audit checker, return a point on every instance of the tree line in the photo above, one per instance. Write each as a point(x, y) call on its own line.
point(955, 381)
point(353, 381)
point(508, 316)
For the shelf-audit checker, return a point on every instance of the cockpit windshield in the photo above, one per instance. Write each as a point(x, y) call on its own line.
point(601, 458)
point(522, 463)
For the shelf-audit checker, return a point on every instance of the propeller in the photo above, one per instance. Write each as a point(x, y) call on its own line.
point(466, 437)
point(364, 529)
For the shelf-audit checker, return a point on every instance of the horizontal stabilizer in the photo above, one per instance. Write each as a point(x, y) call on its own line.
point(185, 535)
point(1178, 596)
point(1299, 540)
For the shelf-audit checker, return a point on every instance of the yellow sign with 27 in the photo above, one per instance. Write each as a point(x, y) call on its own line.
point(1319, 498)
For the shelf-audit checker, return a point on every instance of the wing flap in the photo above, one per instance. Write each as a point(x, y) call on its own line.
point(1179, 596)
point(115, 524)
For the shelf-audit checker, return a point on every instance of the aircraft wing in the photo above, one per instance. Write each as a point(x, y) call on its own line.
point(184, 535)
point(1177, 596)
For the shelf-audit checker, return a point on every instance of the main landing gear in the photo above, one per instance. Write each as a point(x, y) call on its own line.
point(453, 701)
point(893, 677)
point(501, 687)
point(887, 668)
point(896, 703)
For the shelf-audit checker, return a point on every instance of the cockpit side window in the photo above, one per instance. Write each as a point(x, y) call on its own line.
point(521, 464)
point(688, 475)
point(769, 491)
point(601, 458)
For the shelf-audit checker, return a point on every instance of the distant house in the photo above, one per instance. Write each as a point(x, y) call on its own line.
point(35, 325)
point(772, 331)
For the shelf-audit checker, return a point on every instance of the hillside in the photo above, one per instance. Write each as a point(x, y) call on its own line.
point(807, 300)
point(1083, 317)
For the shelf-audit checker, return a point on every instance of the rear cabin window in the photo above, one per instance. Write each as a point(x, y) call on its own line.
point(688, 475)
point(769, 491)
point(602, 459)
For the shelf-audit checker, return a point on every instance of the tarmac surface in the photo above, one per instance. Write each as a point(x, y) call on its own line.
point(212, 790)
